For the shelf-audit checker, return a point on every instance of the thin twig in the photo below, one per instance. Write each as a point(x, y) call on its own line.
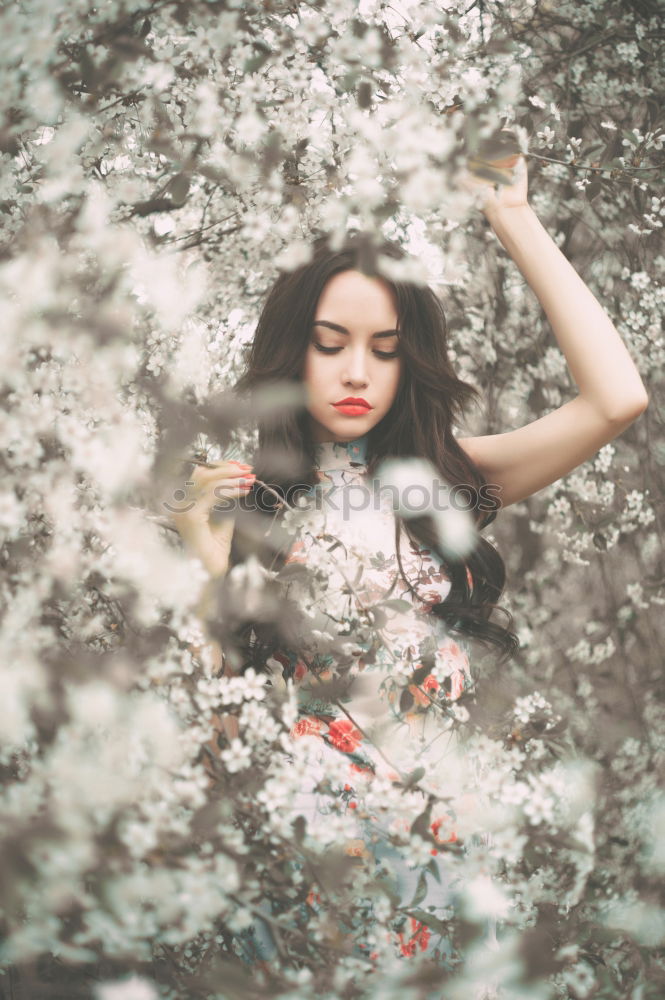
point(585, 166)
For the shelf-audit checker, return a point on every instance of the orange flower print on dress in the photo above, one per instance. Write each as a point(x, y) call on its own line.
point(419, 938)
point(309, 725)
point(373, 835)
point(430, 598)
point(364, 770)
point(357, 848)
point(300, 670)
point(435, 827)
point(344, 736)
point(430, 684)
point(313, 898)
point(457, 684)
point(455, 662)
point(450, 653)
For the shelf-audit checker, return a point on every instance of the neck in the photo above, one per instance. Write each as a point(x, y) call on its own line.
point(339, 453)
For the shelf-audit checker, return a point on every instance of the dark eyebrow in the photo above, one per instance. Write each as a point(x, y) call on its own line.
point(342, 329)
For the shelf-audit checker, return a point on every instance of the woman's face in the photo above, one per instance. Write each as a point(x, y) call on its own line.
point(360, 359)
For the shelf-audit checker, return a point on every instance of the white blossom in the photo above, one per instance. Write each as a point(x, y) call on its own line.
point(237, 756)
point(133, 988)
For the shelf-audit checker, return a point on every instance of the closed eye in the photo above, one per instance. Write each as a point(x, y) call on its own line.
point(334, 350)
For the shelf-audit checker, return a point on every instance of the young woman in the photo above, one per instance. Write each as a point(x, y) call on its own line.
point(372, 356)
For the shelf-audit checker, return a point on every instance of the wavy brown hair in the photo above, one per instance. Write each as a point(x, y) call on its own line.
point(429, 400)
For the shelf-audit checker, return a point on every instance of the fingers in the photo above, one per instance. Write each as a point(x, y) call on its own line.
point(222, 486)
point(207, 486)
point(215, 469)
point(222, 474)
point(506, 161)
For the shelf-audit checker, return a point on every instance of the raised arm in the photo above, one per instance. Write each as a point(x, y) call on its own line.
point(611, 392)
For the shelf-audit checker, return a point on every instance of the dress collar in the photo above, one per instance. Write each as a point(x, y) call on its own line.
point(341, 454)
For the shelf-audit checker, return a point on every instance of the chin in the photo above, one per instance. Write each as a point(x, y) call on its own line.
point(342, 428)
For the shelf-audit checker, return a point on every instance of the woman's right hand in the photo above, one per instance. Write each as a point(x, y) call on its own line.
point(207, 486)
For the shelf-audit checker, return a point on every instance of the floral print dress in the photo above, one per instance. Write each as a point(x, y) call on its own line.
point(407, 673)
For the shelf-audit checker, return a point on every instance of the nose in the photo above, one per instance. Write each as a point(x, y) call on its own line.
point(356, 370)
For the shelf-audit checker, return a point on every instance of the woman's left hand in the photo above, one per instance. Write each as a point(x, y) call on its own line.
point(511, 195)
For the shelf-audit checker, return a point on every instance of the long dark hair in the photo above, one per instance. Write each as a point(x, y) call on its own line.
point(430, 398)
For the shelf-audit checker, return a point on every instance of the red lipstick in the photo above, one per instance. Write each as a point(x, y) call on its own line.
point(353, 406)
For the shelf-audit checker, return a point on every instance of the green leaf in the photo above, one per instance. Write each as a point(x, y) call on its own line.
point(299, 826)
point(420, 824)
point(414, 777)
point(433, 868)
point(364, 94)
point(612, 149)
point(379, 618)
point(420, 674)
point(630, 136)
point(349, 81)
point(256, 62)
point(421, 890)
point(178, 189)
point(527, 122)
point(592, 189)
point(405, 701)
point(431, 921)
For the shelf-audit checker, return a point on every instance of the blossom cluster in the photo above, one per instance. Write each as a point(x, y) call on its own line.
point(160, 164)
